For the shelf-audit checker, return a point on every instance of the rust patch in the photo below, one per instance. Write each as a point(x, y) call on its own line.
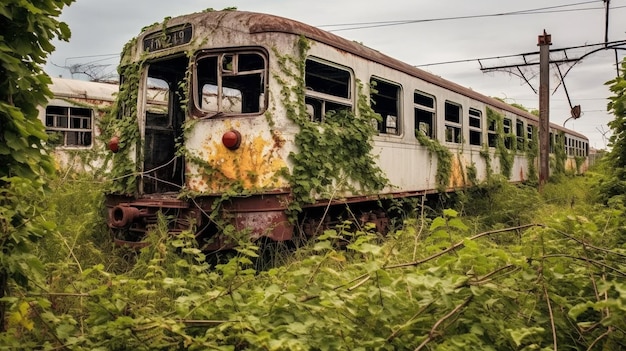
point(457, 176)
point(279, 141)
point(255, 164)
point(272, 224)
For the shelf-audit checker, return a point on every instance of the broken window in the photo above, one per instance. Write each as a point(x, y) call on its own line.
point(164, 99)
point(453, 123)
point(230, 83)
point(385, 100)
point(328, 89)
point(519, 132)
point(475, 127)
point(73, 125)
point(424, 109)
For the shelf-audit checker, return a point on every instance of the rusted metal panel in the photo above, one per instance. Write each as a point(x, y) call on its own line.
point(256, 163)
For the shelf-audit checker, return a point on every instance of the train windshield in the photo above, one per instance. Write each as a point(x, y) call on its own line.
point(230, 83)
point(164, 100)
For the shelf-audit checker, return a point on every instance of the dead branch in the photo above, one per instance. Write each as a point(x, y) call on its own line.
point(431, 334)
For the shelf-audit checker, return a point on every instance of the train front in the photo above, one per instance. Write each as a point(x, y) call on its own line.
point(190, 138)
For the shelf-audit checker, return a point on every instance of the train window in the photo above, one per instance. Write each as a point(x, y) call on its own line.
point(530, 131)
point(453, 123)
point(507, 124)
point(475, 127)
point(519, 132)
point(72, 125)
point(424, 109)
point(492, 136)
point(328, 89)
point(231, 83)
point(385, 100)
point(157, 107)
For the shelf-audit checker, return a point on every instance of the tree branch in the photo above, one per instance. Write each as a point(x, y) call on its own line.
point(431, 334)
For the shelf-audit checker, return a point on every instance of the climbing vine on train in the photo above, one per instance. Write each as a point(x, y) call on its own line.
point(122, 123)
point(444, 159)
point(560, 156)
point(506, 155)
point(332, 157)
point(532, 153)
point(486, 156)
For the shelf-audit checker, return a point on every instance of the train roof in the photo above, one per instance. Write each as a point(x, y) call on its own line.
point(80, 89)
point(257, 23)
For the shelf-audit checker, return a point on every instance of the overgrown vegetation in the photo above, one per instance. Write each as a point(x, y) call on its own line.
point(26, 32)
point(509, 269)
point(613, 186)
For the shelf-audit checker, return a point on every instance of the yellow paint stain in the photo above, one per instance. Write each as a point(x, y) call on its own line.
point(570, 165)
point(255, 164)
point(457, 177)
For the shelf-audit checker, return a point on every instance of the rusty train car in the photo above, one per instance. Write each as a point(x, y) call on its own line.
point(266, 124)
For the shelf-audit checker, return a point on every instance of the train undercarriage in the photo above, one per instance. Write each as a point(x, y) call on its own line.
point(265, 216)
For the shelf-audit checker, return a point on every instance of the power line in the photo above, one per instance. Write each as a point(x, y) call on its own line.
point(612, 43)
point(542, 10)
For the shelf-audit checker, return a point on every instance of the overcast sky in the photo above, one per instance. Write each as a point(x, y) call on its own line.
point(441, 31)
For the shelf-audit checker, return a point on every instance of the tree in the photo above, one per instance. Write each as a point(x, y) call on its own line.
point(26, 31)
point(613, 187)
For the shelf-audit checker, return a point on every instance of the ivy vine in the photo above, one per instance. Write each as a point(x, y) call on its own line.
point(505, 155)
point(559, 153)
point(122, 123)
point(325, 164)
point(444, 159)
point(486, 156)
point(532, 153)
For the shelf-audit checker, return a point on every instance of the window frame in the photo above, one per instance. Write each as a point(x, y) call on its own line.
point(432, 110)
point(224, 72)
point(325, 99)
point(475, 114)
point(384, 125)
point(520, 134)
point(456, 137)
point(507, 132)
point(530, 132)
point(83, 133)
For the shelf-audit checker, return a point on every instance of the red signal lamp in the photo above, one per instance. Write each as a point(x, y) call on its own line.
point(114, 144)
point(231, 139)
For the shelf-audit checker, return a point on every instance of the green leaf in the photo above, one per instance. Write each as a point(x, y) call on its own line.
point(518, 335)
point(438, 223)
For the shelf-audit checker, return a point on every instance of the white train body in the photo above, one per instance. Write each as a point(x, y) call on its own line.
point(245, 90)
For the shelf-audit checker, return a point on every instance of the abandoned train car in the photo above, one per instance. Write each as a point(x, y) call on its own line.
point(266, 119)
point(71, 121)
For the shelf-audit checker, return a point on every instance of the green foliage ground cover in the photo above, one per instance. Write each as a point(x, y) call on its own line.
point(509, 269)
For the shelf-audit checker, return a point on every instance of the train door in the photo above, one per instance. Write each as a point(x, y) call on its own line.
point(164, 99)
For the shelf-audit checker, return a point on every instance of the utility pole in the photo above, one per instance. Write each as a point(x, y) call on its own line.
point(544, 42)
